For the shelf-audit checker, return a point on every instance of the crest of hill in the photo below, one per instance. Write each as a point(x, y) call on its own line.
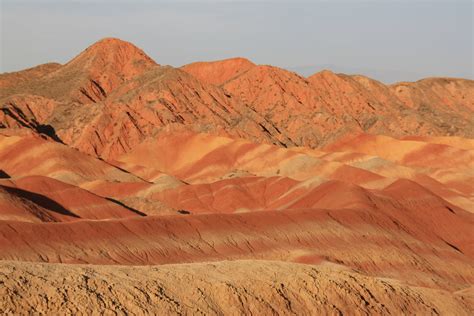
point(453, 94)
point(12, 79)
point(220, 71)
point(61, 201)
point(93, 74)
point(57, 161)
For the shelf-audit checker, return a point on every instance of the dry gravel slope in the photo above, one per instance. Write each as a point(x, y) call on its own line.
point(227, 287)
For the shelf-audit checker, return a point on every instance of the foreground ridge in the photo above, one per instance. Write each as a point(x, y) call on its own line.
point(237, 287)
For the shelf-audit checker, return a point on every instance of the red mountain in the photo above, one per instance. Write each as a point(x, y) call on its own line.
point(238, 175)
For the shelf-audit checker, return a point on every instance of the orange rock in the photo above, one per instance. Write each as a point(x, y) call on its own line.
point(231, 160)
point(218, 72)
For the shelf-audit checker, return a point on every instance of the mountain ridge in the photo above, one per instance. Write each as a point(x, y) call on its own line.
point(334, 104)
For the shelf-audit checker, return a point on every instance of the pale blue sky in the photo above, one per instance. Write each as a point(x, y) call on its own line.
point(387, 40)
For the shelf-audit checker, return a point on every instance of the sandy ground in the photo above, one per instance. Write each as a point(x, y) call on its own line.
point(227, 287)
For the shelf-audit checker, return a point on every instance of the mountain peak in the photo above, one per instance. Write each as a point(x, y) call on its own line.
point(110, 51)
point(111, 40)
point(111, 44)
point(99, 69)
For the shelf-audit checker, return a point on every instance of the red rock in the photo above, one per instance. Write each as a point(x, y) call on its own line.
point(232, 160)
point(218, 72)
point(65, 202)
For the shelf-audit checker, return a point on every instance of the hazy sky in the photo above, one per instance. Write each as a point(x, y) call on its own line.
point(387, 40)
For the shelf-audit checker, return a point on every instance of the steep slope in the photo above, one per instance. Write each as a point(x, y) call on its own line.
point(440, 94)
point(24, 114)
point(91, 75)
point(288, 101)
point(126, 97)
point(366, 102)
point(88, 78)
point(436, 106)
point(446, 102)
point(215, 289)
point(15, 206)
point(336, 104)
point(163, 98)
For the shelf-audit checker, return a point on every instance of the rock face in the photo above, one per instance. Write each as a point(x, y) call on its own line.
point(334, 105)
point(163, 98)
point(243, 188)
point(114, 91)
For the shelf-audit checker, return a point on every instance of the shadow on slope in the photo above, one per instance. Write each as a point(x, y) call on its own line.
point(4, 175)
point(125, 206)
point(40, 200)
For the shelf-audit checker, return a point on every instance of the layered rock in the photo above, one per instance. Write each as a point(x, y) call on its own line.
point(114, 159)
point(113, 96)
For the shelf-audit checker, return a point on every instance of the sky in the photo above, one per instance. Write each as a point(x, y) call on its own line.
point(387, 40)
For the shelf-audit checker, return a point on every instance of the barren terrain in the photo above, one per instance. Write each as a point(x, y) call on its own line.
point(228, 187)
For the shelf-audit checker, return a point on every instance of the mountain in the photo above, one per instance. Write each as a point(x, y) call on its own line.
point(91, 75)
point(128, 97)
point(223, 179)
point(335, 105)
